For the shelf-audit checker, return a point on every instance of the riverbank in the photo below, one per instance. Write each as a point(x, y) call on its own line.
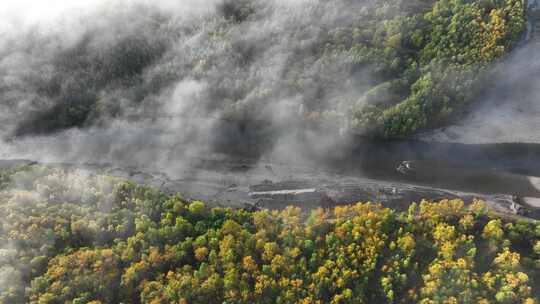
point(275, 186)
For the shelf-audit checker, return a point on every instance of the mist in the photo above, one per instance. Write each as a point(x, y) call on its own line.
point(151, 84)
point(163, 84)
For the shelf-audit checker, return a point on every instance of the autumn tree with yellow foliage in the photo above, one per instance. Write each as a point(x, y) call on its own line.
point(148, 247)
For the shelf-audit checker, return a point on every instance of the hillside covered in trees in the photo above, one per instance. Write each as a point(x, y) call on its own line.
point(384, 68)
point(430, 63)
point(71, 237)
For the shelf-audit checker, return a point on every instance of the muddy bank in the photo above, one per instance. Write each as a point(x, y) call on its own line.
point(308, 188)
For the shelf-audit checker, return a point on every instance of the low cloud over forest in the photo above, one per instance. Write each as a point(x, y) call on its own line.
point(153, 82)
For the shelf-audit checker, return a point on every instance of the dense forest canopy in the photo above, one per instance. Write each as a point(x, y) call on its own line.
point(384, 68)
point(70, 237)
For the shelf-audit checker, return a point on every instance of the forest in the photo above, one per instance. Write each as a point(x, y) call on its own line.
point(432, 60)
point(381, 68)
point(152, 85)
point(67, 236)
